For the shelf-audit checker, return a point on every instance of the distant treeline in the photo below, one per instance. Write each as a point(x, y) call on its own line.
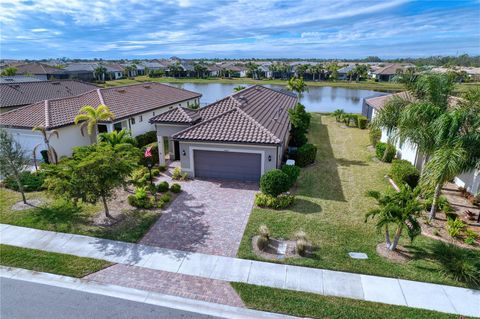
point(460, 60)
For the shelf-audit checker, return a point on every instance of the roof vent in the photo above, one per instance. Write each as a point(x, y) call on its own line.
point(147, 86)
point(121, 90)
point(55, 83)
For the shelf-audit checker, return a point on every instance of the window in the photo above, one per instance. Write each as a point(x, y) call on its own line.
point(188, 103)
point(132, 121)
point(140, 118)
point(117, 126)
point(153, 113)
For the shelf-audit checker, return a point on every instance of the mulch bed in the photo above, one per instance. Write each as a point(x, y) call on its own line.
point(271, 251)
point(401, 255)
point(31, 203)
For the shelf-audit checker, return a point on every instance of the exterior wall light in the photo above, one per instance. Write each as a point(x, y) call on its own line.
point(269, 158)
point(184, 153)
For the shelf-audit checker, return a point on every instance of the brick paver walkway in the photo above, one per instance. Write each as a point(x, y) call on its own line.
point(169, 283)
point(209, 216)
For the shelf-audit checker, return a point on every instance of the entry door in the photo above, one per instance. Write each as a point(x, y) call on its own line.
point(176, 150)
point(227, 165)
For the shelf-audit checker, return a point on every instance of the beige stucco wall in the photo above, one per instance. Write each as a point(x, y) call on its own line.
point(69, 137)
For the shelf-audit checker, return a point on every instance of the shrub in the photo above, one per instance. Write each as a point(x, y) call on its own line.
point(263, 238)
point(262, 242)
point(147, 138)
point(141, 193)
point(274, 182)
point(31, 182)
point(280, 202)
point(147, 202)
point(162, 168)
point(163, 186)
point(300, 235)
point(455, 227)
point(165, 198)
point(375, 135)
point(306, 155)
point(460, 264)
point(140, 177)
point(177, 174)
point(471, 237)
point(175, 188)
point(362, 122)
point(442, 204)
point(302, 246)
point(403, 172)
point(385, 152)
point(292, 172)
point(264, 231)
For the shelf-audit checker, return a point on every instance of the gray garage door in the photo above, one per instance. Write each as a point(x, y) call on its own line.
point(227, 165)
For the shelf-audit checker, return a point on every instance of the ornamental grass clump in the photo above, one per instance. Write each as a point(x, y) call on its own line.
point(264, 237)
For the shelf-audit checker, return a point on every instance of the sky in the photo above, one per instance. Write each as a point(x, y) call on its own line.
point(144, 29)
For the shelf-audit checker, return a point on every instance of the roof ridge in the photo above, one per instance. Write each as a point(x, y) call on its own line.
point(184, 113)
point(258, 124)
point(47, 114)
point(100, 96)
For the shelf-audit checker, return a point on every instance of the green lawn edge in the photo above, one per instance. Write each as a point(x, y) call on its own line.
point(54, 263)
point(311, 305)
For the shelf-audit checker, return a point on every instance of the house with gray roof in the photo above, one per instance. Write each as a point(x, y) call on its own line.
point(39, 70)
point(239, 137)
point(132, 105)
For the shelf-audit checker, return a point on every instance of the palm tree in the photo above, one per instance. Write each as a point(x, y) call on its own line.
point(47, 136)
point(339, 113)
point(238, 88)
point(400, 209)
point(388, 118)
point(116, 138)
point(253, 69)
point(297, 85)
point(89, 117)
point(100, 72)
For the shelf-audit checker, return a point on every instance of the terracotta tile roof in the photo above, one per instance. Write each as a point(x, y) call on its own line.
point(254, 115)
point(17, 94)
point(391, 69)
point(37, 69)
point(123, 101)
point(177, 115)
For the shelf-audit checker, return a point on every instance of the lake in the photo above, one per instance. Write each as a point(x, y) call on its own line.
point(317, 99)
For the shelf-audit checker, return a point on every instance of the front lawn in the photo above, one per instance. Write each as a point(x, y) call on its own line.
point(331, 206)
point(317, 306)
point(54, 263)
point(59, 216)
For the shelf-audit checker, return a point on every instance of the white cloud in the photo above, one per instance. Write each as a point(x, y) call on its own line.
point(39, 30)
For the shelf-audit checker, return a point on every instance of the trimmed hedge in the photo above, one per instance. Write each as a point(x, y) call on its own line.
point(175, 188)
point(403, 172)
point(292, 171)
point(280, 202)
point(163, 186)
point(306, 155)
point(375, 135)
point(385, 152)
point(146, 202)
point(274, 182)
point(147, 138)
point(362, 122)
point(31, 182)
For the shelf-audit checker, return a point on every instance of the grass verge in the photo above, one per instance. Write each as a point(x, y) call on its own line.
point(330, 207)
point(54, 263)
point(304, 304)
point(63, 217)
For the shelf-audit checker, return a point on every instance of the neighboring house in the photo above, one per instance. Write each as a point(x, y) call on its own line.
point(15, 95)
point(40, 71)
point(132, 105)
point(19, 79)
point(238, 137)
point(81, 71)
point(408, 151)
point(214, 70)
point(343, 73)
point(114, 71)
point(153, 65)
point(387, 73)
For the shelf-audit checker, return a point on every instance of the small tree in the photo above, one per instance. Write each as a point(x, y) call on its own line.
point(297, 85)
point(12, 159)
point(339, 113)
point(92, 174)
point(47, 135)
point(10, 71)
point(300, 120)
point(399, 209)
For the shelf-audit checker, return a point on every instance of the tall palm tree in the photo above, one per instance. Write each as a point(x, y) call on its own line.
point(388, 118)
point(89, 117)
point(47, 136)
point(100, 72)
point(297, 85)
point(398, 209)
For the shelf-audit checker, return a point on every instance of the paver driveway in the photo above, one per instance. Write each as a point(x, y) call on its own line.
point(209, 216)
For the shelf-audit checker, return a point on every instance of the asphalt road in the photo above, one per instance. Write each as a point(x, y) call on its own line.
point(24, 300)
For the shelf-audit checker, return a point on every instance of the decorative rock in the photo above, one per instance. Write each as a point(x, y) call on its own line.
point(355, 255)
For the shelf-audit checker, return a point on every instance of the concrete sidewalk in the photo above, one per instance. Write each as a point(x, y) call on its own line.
point(326, 282)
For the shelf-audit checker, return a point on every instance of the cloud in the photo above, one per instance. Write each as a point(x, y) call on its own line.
point(39, 30)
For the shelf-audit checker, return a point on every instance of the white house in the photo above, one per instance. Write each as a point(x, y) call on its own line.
point(132, 105)
point(409, 151)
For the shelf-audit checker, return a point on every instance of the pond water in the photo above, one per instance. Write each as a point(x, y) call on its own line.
point(317, 99)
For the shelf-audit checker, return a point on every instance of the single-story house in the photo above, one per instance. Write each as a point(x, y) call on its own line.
point(81, 71)
point(15, 95)
point(132, 105)
point(40, 70)
point(387, 73)
point(343, 72)
point(238, 137)
point(409, 151)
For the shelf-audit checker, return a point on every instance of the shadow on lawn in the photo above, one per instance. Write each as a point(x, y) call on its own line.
point(303, 206)
point(322, 180)
point(61, 215)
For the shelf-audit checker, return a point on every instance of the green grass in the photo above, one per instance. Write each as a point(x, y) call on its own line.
point(364, 85)
point(317, 306)
point(331, 206)
point(62, 217)
point(54, 263)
